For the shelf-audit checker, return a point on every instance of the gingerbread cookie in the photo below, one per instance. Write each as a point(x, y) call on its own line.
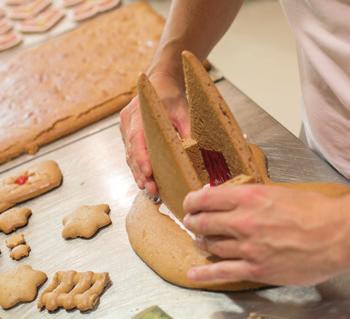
point(106, 5)
point(71, 289)
point(20, 252)
point(5, 26)
point(86, 221)
point(27, 10)
point(15, 240)
point(19, 285)
point(71, 3)
point(84, 11)
point(9, 40)
point(254, 315)
point(16, 2)
point(13, 219)
point(43, 22)
point(29, 183)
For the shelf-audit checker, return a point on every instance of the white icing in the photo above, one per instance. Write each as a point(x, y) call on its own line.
point(163, 209)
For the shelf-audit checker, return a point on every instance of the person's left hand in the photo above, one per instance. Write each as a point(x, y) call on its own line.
point(269, 234)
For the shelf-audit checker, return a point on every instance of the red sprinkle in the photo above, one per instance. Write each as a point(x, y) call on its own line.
point(21, 180)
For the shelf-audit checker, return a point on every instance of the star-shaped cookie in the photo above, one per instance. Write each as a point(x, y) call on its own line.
point(14, 218)
point(20, 285)
point(86, 221)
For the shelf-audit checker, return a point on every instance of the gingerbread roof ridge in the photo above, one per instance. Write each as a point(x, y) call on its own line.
point(213, 125)
point(173, 170)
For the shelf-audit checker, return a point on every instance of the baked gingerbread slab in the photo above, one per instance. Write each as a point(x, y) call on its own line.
point(75, 79)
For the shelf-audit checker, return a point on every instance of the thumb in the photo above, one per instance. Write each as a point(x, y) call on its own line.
point(181, 121)
point(183, 127)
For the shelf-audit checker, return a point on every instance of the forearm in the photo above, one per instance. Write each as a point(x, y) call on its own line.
point(195, 25)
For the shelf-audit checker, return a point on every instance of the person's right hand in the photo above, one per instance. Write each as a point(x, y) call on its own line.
point(172, 94)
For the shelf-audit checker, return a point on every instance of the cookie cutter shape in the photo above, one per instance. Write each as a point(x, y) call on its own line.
point(43, 22)
point(20, 252)
point(29, 183)
point(20, 285)
point(86, 221)
point(15, 240)
point(14, 218)
point(71, 289)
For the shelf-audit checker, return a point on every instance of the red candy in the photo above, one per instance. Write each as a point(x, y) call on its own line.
point(21, 180)
point(216, 167)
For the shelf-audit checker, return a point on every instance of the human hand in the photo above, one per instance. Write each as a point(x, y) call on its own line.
point(269, 234)
point(171, 93)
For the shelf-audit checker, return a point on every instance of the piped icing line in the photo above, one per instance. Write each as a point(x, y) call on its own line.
point(5, 26)
point(163, 209)
point(28, 10)
point(42, 22)
point(9, 40)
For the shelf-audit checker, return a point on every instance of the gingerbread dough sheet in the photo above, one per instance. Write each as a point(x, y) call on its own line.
point(75, 79)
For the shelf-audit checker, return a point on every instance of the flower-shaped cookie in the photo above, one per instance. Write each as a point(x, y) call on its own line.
point(20, 285)
point(86, 221)
point(14, 218)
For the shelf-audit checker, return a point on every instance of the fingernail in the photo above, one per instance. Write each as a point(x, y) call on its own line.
point(186, 220)
point(140, 184)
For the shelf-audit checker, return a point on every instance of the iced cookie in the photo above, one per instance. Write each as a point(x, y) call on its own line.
point(16, 2)
point(19, 285)
point(84, 11)
point(71, 289)
point(43, 22)
point(5, 26)
point(27, 10)
point(8, 41)
point(105, 5)
point(71, 3)
point(86, 221)
point(29, 183)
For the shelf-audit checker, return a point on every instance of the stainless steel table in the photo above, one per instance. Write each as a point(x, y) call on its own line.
point(94, 170)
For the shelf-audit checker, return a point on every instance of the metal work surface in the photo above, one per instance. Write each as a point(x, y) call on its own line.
point(94, 169)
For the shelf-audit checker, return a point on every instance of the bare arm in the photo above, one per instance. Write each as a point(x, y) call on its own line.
point(195, 25)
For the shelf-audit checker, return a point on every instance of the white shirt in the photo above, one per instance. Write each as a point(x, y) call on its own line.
point(322, 30)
